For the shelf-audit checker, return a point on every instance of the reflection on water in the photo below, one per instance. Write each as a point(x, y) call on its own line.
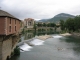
point(75, 43)
point(28, 36)
point(56, 48)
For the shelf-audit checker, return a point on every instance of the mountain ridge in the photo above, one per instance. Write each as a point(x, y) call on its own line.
point(58, 17)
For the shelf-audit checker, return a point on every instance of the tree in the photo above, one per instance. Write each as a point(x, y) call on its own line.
point(62, 24)
point(39, 25)
point(44, 24)
point(52, 24)
point(35, 26)
point(77, 23)
point(70, 24)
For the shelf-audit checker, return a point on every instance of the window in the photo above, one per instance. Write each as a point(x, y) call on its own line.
point(29, 23)
point(15, 28)
point(10, 20)
point(9, 28)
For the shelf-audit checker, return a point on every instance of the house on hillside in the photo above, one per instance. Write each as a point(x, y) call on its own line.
point(8, 23)
point(29, 23)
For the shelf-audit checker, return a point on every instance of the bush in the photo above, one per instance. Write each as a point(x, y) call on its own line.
point(17, 51)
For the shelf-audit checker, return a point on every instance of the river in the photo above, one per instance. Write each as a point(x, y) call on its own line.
point(56, 48)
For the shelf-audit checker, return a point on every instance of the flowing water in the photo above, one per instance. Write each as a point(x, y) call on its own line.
point(55, 48)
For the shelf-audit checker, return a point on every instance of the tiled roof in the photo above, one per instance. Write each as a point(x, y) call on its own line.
point(4, 13)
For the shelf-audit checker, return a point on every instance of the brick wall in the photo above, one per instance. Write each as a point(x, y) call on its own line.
point(5, 25)
point(2, 25)
point(14, 24)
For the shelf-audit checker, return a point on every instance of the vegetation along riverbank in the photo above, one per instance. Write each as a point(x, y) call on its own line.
point(71, 25)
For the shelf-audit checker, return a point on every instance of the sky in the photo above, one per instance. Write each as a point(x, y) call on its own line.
point(40, 9)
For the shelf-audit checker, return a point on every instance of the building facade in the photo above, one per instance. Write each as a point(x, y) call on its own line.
point(29, 23)
point(9, 26)
point(8, 23)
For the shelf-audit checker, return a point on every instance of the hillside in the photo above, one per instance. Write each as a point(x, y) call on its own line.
point(58, 17)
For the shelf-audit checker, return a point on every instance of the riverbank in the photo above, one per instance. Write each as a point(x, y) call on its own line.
point(66, 34)
point(44, 37)
point(77, 35)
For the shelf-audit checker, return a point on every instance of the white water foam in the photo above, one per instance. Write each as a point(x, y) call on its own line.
point(25, 47)
point(21, 51)
point(57, 36)
point(37, 42)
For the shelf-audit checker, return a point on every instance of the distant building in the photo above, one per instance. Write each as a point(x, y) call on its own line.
point(22, 24)
point(29, 23)
point(8, 23)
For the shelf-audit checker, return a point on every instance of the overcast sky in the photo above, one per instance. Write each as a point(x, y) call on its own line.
point(40, 9)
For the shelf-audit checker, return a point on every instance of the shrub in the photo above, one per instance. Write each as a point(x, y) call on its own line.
point(17, 51)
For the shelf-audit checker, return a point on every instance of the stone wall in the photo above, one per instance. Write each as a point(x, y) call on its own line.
point(15, 40)
point(6, 48)
point(7, 45)
point(0, 50)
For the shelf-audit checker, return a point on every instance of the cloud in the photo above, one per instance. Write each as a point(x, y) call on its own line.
point(40, 9)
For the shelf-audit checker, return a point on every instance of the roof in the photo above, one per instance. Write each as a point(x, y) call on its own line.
point(29, 19)
point(4, 13)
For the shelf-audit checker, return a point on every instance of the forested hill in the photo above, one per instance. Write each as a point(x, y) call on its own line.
point(57, 18)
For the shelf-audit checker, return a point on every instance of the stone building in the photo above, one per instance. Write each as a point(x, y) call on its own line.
point(9, 26)
point(29, 23)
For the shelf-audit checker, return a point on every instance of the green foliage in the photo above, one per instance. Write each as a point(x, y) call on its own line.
point(39, 25)
point(17, 51)
point(35, 26)
point(77, 22)
point(52, 24)
point(46, 25)
point(62, 24)
point(71, 24)
point(22, 31)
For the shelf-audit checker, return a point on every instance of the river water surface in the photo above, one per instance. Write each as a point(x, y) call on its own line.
point(56, 48)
